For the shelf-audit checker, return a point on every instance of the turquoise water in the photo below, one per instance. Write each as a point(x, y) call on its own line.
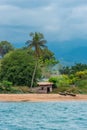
point(43, 116)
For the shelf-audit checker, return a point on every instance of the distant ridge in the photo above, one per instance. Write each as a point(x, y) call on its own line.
point(75, 55)
point(67, 54)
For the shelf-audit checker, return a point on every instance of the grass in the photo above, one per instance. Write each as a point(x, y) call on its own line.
point(16, 89)
point(80, 88)
point(67, 89)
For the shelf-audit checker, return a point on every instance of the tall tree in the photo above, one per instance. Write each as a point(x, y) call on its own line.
point(37, 43)
point(5, 47)
point(17, 67)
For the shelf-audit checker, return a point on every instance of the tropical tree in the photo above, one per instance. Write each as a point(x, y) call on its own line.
point(5, 47)
point(17, 67)
point(37, 43)
point(73, 69)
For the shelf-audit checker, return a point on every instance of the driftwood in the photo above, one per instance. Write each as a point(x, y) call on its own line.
point(62, 93)
point(71, 94)
point(67, 93)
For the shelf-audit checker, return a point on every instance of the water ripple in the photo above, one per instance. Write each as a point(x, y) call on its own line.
point(43, 116)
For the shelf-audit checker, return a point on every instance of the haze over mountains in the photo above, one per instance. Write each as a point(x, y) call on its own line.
point(75, 55)
point(69, 52)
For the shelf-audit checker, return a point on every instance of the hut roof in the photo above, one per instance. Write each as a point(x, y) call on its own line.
point(44, 83)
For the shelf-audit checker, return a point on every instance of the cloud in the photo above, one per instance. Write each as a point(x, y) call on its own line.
point(59, 20)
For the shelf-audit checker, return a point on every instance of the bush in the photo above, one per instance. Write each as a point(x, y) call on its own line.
point(61, 81)
point(73, 78)
point(82, 86)
point(81, 74)
point(1, 87)
point(6, 84)
point(54, 80)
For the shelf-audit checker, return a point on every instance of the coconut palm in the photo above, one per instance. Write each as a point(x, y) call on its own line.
point(37, 44)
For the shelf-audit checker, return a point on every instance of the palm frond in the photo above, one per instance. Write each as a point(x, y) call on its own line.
point(42, 42)
point(29, 45)
point(37, 43)
point(31, 34)
point(41, 36)
point(28, 42)
point(43, 46)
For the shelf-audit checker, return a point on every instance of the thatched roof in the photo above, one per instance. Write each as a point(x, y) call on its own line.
point(44, 83)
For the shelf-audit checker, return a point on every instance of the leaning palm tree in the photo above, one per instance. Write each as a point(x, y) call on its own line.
point(37, 44)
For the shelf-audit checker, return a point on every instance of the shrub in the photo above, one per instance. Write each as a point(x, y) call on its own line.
point(82, 85)
point(53, 79)
point(61, 80)
point(6, 84)
point(1, 87)
point(81, 74)
point(73, 78)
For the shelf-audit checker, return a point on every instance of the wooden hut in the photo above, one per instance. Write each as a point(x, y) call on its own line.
point(45, 87)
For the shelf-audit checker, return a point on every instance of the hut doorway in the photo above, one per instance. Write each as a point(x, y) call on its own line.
point(48, 89)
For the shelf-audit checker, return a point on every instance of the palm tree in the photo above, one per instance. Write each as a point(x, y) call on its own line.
point(37, 44)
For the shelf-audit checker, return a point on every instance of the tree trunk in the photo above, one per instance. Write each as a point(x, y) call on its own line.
point(33, 76)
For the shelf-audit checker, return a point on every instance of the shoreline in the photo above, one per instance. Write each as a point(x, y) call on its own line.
point(40, 97)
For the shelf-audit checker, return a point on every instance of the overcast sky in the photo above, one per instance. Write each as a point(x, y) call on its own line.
point(58, 20)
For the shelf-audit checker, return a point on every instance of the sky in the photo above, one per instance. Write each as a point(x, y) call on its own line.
point(61, 21)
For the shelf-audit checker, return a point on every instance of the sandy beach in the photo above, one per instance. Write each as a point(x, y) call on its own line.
point(40, 97)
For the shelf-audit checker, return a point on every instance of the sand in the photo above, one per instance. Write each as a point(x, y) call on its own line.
point(40, 97)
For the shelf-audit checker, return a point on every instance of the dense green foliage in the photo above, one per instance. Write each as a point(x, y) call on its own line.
point(61, 81)
point(47, 61)
point(5, 85)
point(73, 69)
point(82, 86)
point(72, 79)
point(17, 67)
point(48, 58)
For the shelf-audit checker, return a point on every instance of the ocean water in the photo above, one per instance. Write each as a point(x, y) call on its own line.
point(43, 115)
